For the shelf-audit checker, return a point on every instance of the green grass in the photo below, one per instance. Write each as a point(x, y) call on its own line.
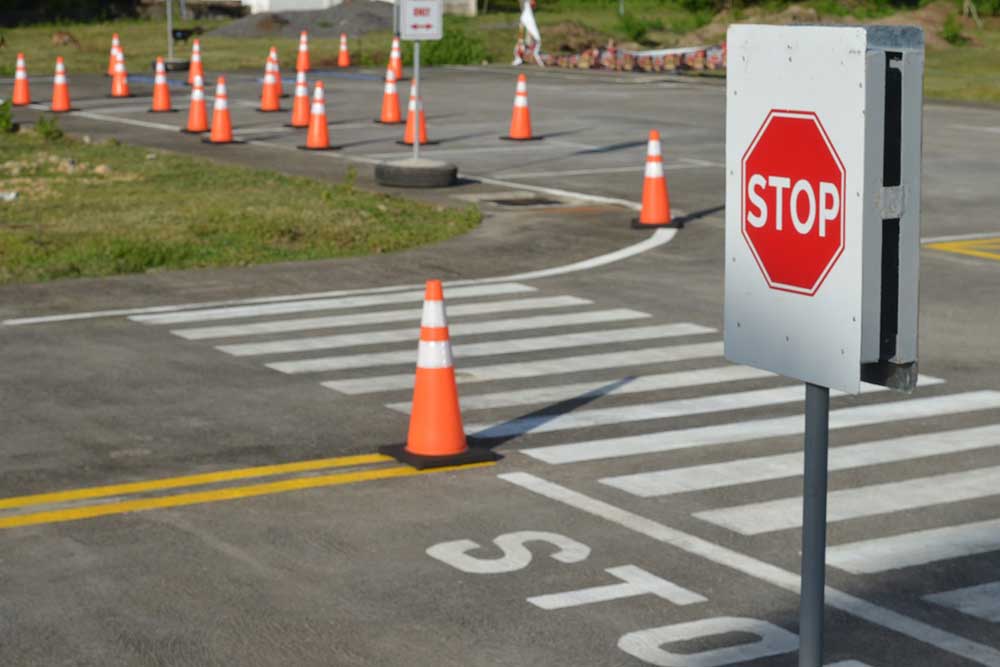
point(175, 212)
point(970, 72)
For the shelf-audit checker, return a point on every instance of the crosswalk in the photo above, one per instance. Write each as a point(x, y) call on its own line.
point(566, 381)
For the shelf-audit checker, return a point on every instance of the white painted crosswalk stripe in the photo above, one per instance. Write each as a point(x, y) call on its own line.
point(409, 334)
point(543, 367)
point(847, 504)
point(917, 548)
point(732, 433)
point(764, 468)
point(378, 317)
point(508, 346)
point(981, 601)
point(339, 303)
point(595, 389)
point(646, 411)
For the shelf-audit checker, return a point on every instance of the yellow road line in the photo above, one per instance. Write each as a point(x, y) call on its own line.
point(230, 493)
point(974, 248)
point(191, 480)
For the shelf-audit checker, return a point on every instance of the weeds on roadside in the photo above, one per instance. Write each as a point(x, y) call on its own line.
point(951, 31)
point(48, 128)
point(6, 118)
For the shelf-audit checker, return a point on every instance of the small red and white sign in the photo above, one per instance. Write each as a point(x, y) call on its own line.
point(421, 20)
point(793, 201)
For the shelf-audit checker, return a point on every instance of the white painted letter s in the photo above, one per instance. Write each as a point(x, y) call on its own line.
point(515, 555)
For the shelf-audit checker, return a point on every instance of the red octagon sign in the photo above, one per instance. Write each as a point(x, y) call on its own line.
point(792, 203)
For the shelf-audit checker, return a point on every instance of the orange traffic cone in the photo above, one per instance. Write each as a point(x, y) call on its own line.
point(161, 90)
point(60, 88)
point(116, 46)
point(300, 106)
point(344, 57)
point(222, 127)
point(197, 116)
point(196, 68)
point(416, 124)
point(318, 136)
point(395, 59)
point(302, 62)
point(436, 436)
point(390, 101)
point(520, 120)
point(655, 200)
point(119, 82)
point(22, 94)
point(269, 93)
point(276, 68)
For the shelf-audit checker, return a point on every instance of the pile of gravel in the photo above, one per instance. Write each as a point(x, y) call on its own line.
point(354, 18)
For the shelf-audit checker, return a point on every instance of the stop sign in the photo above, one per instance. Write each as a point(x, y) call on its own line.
point(792, 201)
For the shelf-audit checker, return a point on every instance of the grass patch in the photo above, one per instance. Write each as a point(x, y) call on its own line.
point(105, 209)
point(969, 73)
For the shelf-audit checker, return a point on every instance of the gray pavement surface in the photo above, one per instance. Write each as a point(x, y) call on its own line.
point(586, 382)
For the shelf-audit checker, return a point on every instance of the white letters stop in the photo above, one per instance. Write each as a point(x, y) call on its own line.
point(827, 201)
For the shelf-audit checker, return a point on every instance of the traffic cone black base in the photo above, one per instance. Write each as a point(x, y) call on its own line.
point(426, 143)
point(471, 455)
point(673, 224)
point(164, 111)
point(399, 122)
point(327, 148)
point(535, 138)
point(206, 140)
point(184, 130)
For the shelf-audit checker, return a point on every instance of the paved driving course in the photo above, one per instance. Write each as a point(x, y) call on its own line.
point(189, 459)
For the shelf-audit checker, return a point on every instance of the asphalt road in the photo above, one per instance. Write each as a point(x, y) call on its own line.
point(645, 509)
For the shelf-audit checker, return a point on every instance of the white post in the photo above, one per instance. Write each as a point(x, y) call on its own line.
point(170, 30)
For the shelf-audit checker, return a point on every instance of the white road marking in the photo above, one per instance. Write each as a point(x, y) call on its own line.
point(542, 367)
point(734, 560)
point(649, 645)
point(981, 601)
point(341, 303)
point(594, 389)
point(314, 343)
point(685, 163)
point(864, 501)
point(634, 581)
point(378, 317)
point(779, 466)
point(978, 128)
point(556, 192)
point(917, 548)
point(736, 432)
point(646, 411)
point(149, 125)
point(492, 348)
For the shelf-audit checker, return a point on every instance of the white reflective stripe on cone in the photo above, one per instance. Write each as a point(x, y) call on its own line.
point(160, 79)
point(433, 315)
point(60, 78)
point(318, 109)
point(434, 354)
point(220, 103)
point(654, 170)
point(20, 74)
point(654, 148)
point(197, 94)
point(520, 101)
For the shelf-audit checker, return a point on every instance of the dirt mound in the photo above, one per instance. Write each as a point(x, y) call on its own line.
point(353, 18)
point(571, 37)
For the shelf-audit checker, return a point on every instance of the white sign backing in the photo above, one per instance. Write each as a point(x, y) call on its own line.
point(421, 20)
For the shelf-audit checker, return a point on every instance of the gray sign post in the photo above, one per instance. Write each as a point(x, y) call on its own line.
point(811, 602)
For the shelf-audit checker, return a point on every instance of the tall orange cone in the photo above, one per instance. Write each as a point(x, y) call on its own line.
point(436, 436)
point(22, 93)
point(60, 88)
point(655, 200)
point(119, 81)
point(197, 116)
point(302, 61)
point(116, 46)
point(161, 89)
point(222, 127)
point(196, 68)
point(318, 136)
point(344, 57)
point(300, 105)
point(520, 120)
point(416, 124)
point(276, 68)
point(390, 101)
point(269, 93)
point(395, 59)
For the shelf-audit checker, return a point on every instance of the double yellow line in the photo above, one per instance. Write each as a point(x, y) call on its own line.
point(209, 496)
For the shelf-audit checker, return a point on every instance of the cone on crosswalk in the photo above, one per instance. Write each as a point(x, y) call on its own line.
point(655, 198)
point(222, 127)
point(416, 124)
point(197, 115)
point(269, 92)
point(396, 59)
point(60, 88)
point(318, 135)
point(196, 68)
point(119, 80)
point(344, 57)
point(300, 105)
point(161, 89)
point(116, 46)
point(520, 120)
point(22, 92)
point(390, 101)
point(436, 436)
point(302, 61)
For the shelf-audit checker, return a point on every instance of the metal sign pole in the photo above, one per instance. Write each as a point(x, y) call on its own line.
point(811, 603)
point(170, 30)
point(416, 92)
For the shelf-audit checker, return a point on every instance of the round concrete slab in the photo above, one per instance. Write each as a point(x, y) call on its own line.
point(419, 173)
